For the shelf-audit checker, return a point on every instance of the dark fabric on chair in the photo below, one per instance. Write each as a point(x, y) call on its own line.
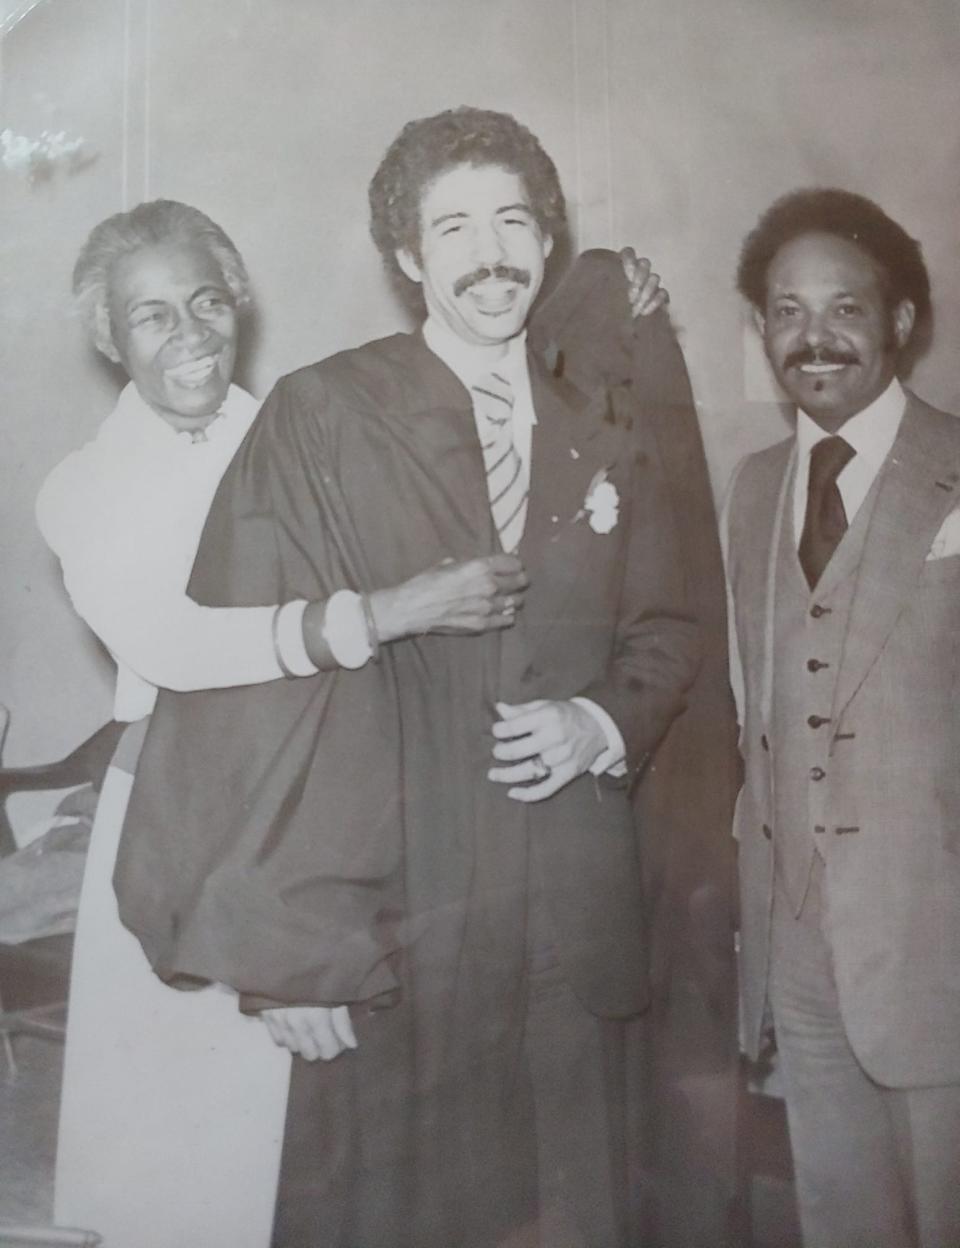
point(86, 764)
point(34, 974)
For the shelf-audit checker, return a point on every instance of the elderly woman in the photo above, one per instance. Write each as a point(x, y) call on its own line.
point(155, 1079)
point(173, 1102)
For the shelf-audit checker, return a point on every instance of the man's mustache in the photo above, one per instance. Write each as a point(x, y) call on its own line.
point(502, 272)
point(811, 355)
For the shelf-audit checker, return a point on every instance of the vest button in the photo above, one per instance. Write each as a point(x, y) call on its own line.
point(768, 831)
point(816, 610)
point(818, 827)
point(814, 665)
point(817, 773)
point(816, 721)
point(765, 744)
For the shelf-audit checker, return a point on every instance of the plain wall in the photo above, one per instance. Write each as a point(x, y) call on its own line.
point(673, 124)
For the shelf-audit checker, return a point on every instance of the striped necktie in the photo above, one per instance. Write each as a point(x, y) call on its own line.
point(506, 480)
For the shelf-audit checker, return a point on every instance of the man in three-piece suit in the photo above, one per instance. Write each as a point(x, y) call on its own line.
point(844, 565)
point(436, 830)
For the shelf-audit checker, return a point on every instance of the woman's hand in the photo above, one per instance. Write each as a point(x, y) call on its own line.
point(469, 597)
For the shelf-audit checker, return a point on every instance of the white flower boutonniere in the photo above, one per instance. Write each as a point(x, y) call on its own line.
point(602, 503)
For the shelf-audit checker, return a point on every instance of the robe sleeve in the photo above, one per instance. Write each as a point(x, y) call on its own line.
point(262, 843)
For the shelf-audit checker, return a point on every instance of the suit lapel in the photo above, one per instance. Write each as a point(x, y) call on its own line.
point(571, 444)
point(780, 517)
point(917, 490)
point(559, 462)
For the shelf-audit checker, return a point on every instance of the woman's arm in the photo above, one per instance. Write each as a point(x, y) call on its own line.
point(126, 582)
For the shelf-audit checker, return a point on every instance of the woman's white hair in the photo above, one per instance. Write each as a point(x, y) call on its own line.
point(159, 221)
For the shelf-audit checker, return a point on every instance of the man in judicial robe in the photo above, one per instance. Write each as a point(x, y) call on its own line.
point(439, 833)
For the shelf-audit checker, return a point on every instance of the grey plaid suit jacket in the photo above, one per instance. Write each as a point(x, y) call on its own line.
point(893, 885)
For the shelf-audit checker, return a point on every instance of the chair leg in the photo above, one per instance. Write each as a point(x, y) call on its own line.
point(32, 1022)
point(38, 1020)
point(12, 1068)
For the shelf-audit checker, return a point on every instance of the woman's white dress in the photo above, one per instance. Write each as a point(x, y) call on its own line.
point(173, 1103)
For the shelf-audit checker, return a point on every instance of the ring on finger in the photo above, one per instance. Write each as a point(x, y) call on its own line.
point(542, 770)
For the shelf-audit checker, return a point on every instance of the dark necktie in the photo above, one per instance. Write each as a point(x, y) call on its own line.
point(826, 521)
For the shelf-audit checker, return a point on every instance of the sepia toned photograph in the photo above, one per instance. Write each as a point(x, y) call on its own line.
point(480, 624)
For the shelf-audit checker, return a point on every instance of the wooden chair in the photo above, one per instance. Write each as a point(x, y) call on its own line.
point(34, 974)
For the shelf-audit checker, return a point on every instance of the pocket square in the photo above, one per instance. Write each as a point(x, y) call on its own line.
point(947, 541)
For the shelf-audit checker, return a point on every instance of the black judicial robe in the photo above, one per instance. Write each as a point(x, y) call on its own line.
point(335, 838)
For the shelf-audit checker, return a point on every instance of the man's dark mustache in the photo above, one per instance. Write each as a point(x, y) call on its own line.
point(808, 355)
point(503, 273)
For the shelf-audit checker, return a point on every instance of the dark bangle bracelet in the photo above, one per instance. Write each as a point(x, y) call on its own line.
point(275, 633)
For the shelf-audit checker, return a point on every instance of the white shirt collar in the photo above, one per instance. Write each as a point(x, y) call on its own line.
point(468, 362)
point(134, 414)
point(871, 432)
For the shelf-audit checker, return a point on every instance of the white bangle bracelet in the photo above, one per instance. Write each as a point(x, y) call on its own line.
point(345, 629)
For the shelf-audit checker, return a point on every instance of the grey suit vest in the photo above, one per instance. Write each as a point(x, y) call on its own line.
point(809, 631)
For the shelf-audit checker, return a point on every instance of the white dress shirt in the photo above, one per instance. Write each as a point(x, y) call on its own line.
point(469, 363)
point(871, 433)
point(124, 515)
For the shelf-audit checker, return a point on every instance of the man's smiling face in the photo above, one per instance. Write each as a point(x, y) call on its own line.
point(482, 253)
point(827, 329)
point(174, 327)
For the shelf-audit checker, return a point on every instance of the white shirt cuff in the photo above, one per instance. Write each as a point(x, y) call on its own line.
point(290, 646)
point(614, 758)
